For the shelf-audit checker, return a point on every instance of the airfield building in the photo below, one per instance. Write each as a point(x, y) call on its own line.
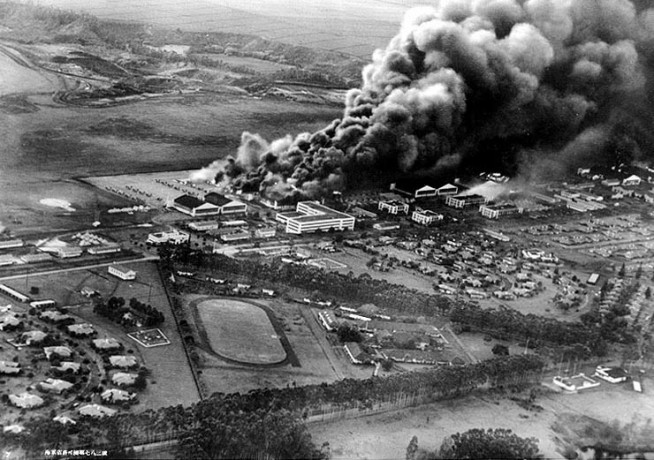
point(410, 189)
point(11, 244)
point(195, 207)
point(225, 205)
point(68, 252)
point(311, 216)
point(104, 249)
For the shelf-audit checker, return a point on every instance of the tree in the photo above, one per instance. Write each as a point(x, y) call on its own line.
point(500, 350)
point(348, 333)
point(412, 449)
point(639, 271)
point(225, 434)
point(623, 271)
point(496, 443)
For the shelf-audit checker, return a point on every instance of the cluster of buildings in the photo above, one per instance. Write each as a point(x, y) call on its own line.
point(385, 339)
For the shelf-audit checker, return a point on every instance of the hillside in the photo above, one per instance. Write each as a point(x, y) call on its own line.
point(226, 58)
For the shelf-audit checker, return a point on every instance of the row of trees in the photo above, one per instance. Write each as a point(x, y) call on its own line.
point(151, 316)
point(510, 324)
point(363, 289)
point(115, 310)
point(502, 324)
point(273, 411)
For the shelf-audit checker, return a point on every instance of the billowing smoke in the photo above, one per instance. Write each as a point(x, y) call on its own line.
point(471, 84)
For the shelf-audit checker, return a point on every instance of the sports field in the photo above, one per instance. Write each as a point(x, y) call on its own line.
point(240, 331)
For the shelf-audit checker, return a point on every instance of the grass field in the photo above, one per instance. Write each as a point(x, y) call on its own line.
point(240, 331)
point(387, 435)
point(15, 78)
point(49, 145)
point(315, 359)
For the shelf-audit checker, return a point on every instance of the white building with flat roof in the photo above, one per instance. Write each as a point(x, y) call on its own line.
point(311, 216)
point(425, 216)
point(123, 273)
point(173, 236)
point(393, 207)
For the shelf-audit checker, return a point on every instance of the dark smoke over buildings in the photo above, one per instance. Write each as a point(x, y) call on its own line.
point(476, 84)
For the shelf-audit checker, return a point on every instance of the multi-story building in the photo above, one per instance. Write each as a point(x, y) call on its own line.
point(461, 201)
point(425, 216)
point(311, 216)
point(393, 207)
point(496, 211)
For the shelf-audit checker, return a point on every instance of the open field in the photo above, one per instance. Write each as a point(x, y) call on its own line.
point(16, 78)
point(387, 435)
point(240, 331)
point(49, 145)
point(316, 359)
point(155, 189)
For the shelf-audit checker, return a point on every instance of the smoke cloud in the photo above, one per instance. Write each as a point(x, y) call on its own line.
point(469, 84)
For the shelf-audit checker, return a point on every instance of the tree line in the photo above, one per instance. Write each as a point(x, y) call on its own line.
point(276, 412)
point(585, 338)
point(115, 310)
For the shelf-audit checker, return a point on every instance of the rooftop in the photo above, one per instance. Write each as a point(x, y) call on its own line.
point(217, 199)
point(189, 201)
point(319, 212)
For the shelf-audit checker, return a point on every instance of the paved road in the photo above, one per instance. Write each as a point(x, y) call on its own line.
point(82, 267)
point(318, 333)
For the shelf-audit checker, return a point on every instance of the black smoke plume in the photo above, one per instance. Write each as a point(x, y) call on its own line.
point(476, 84)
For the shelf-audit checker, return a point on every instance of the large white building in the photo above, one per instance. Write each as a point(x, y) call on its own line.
point(121, 272)
point(174, 237)
point(393, 207)
point(425, 216)
point(496, 211)
point(311, 216)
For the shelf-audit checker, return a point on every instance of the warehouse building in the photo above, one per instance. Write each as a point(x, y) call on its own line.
point(194, 207)
point(225, 205)
point(311, 216)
